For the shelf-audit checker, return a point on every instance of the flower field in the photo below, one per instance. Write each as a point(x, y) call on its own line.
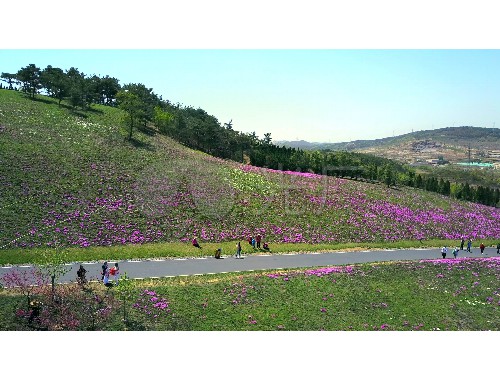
point(428, 295)
point(72, 178)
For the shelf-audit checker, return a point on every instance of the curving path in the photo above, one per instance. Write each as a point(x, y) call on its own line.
point(209, 265)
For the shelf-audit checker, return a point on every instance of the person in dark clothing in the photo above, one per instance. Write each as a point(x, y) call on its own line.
point(80, 273)
point(462, 242)
point(469, 245)
point(481, 247)
point(195, 243)
point(266, 247)
point(498, 249)
point(104, 269)
point(444, 251)
point(238, 251)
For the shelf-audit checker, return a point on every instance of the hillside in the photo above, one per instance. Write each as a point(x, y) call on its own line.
point(72, 177)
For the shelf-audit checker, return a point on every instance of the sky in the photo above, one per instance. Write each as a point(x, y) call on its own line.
point(301, 73)
point(326, 95)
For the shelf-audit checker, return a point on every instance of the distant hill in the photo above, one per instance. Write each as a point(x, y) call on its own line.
point(451, 143)
point(459, 136)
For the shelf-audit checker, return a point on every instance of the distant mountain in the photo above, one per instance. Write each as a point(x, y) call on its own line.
point(451, 144)
point(478, 138)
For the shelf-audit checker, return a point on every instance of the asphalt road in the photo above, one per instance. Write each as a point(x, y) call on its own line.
point(210, 265)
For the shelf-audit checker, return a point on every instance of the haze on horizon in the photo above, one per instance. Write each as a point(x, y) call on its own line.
point(313, 95)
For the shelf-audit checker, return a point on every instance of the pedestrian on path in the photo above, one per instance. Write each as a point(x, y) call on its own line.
point(498, 249)
point(444, 251)
point(455, 252)
point(80, 273)
point(104, 269)
point(481, 247)
point(462, 242)
point(115, 272)
point(105, 279)
point(238, 250)
point(218, 252)
point(469, 245)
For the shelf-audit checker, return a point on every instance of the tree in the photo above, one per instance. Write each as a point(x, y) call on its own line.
point(125, 291)
point(134, 108)
point(77, 87)
point(164, 121)
point(53, 264)
point(10, 79)
point(109, 87)
point(267, 139)
point(55, 81)
point(30, 78)
point(27, 283)
point(148, 101)
point(388, 175)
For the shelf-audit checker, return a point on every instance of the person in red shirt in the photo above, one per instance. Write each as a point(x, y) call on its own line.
point(481, 247)
point(258, 240)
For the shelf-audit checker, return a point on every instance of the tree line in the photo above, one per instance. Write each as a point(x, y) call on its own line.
point(196, 129)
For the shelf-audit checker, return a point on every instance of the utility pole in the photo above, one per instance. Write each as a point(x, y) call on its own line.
point(469, 154)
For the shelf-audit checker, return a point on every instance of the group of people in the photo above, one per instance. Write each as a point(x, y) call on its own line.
point(255, 242)
point(444, 250)
point(106, 272)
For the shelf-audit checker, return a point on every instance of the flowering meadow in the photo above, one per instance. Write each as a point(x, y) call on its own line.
point(72, 178)
point(428, 295)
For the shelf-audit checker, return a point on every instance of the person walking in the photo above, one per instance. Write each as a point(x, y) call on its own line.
point(444, 251)
point(481, 247)
point(104, 269)
point(258, 239)
point(238, 250)
point(469, 245)
point(115, 272)
point(498, 249)
point(462, 242)
point(80, 273)
point(195, 243)
point(253, 243)
point(455, 252)
point(105, 279)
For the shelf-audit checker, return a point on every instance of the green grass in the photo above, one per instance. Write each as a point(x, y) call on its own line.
point(402, 296)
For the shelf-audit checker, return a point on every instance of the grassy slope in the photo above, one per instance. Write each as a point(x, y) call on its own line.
point(72, 178)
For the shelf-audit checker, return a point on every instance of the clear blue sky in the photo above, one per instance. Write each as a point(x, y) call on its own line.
point(315, 95)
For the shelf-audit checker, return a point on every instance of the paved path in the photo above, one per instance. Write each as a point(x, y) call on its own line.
point(197, 266)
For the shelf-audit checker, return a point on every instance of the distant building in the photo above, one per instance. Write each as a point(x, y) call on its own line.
point(476, 164)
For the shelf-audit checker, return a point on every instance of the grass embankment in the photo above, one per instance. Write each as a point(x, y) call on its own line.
point(183, 250)
point(461, 294)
